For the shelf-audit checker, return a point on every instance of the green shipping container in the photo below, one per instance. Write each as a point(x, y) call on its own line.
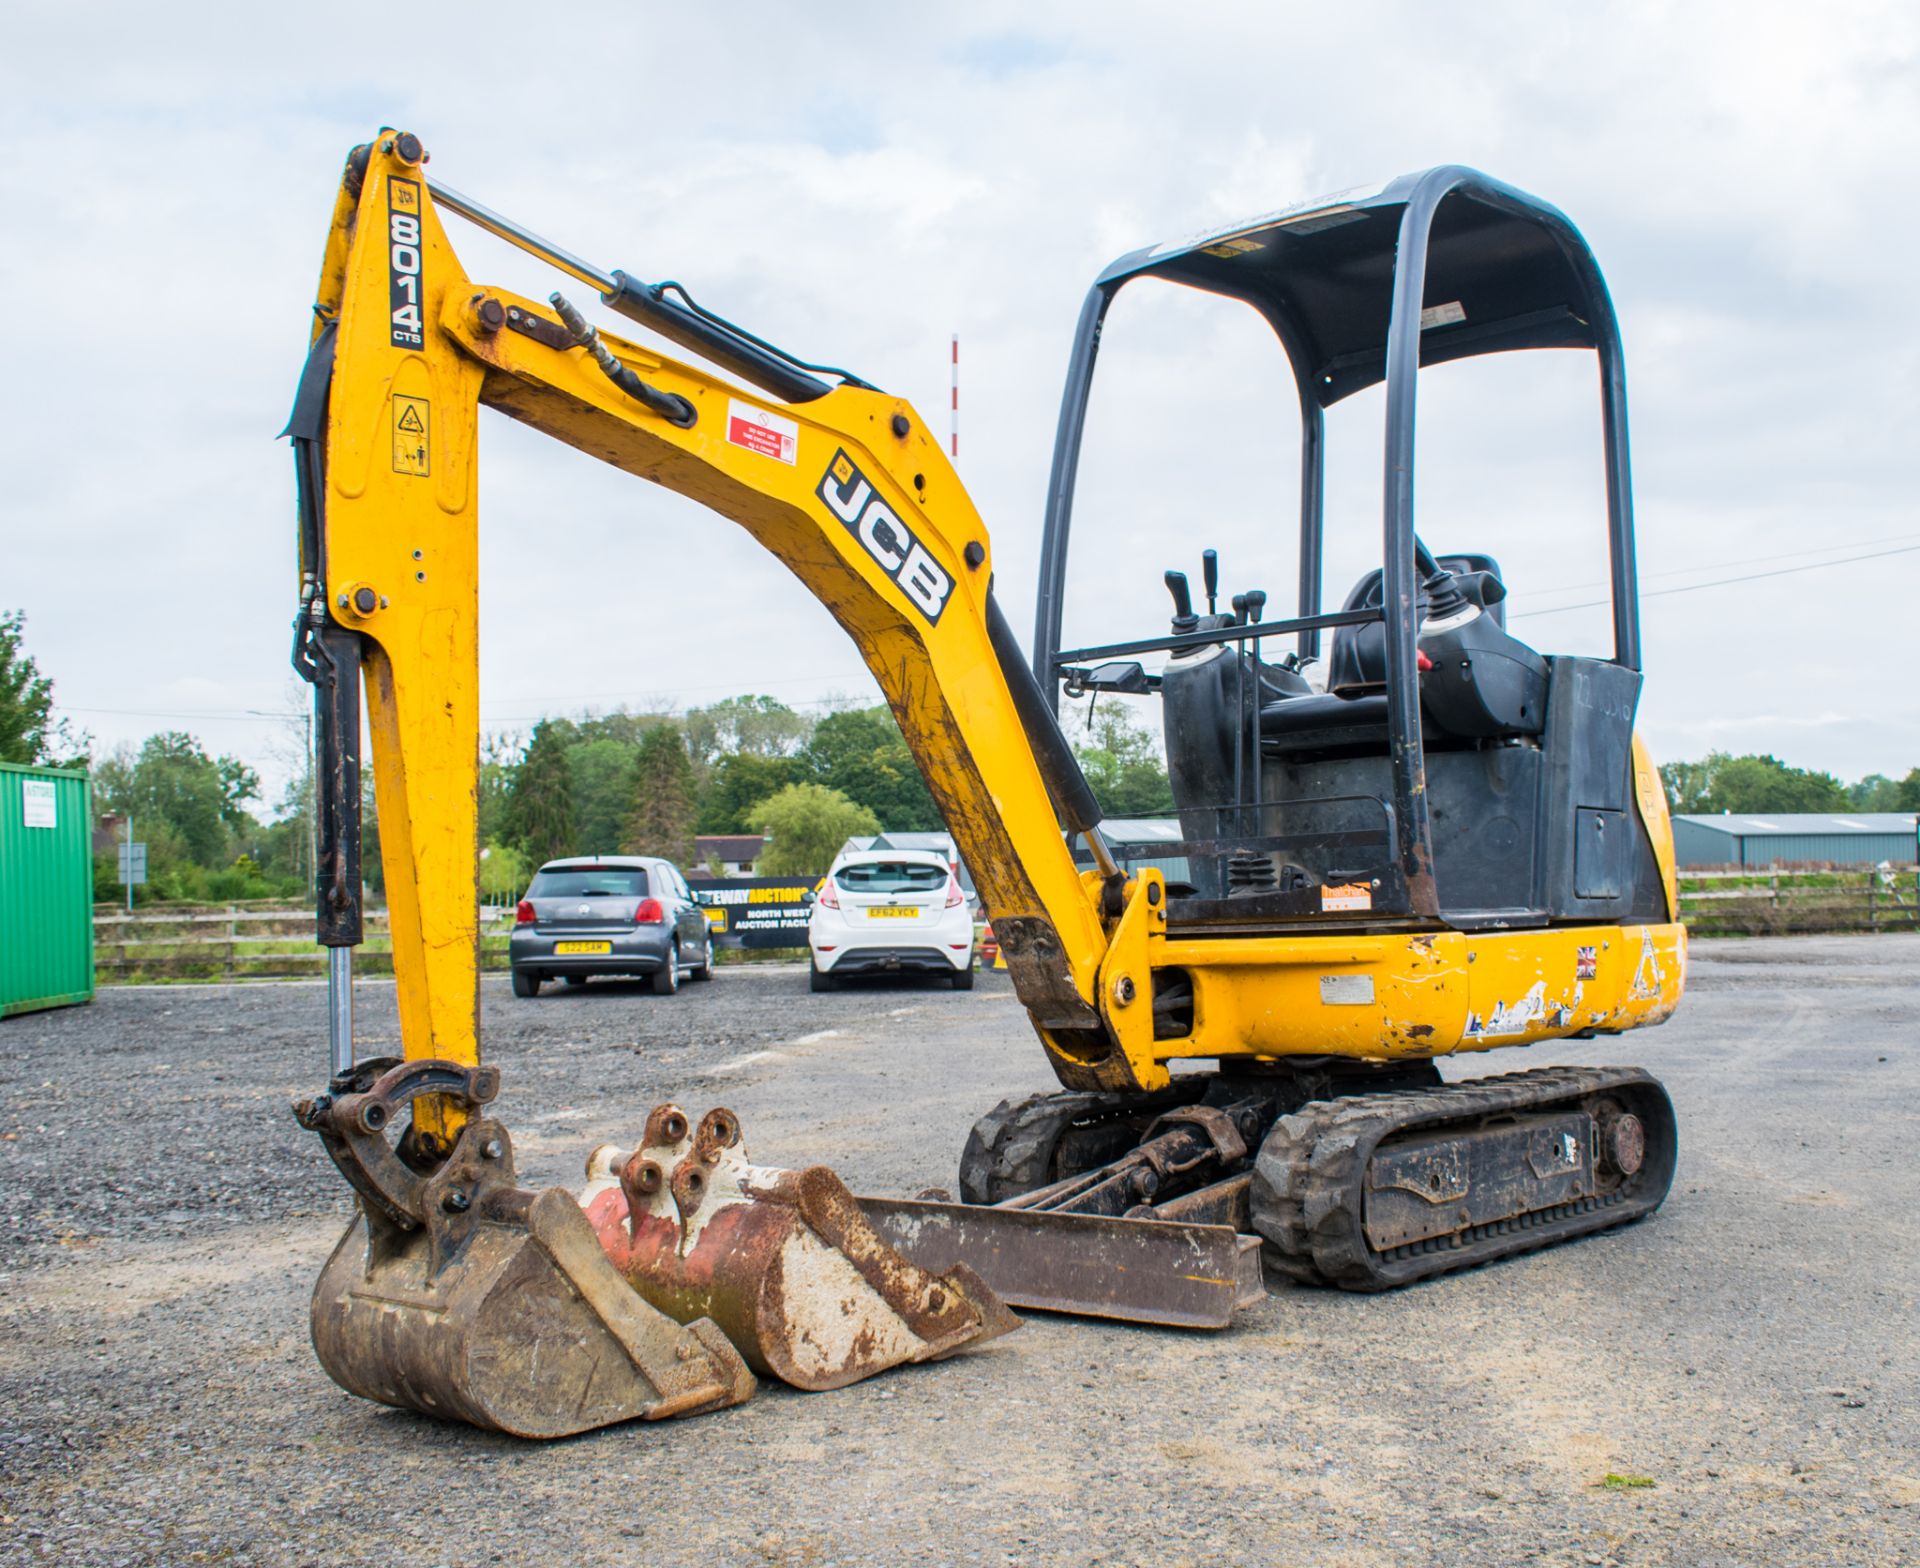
point(46, 888)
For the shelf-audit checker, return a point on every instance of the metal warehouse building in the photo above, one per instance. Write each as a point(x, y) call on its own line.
point(1793, 837)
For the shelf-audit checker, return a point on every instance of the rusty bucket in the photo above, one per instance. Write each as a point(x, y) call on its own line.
point(461, 1294)
point(783, 1261)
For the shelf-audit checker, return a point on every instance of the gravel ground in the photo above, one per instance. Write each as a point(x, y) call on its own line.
point(1750, 1349)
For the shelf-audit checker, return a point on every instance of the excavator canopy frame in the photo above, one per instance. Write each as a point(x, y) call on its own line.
point(1365, 286)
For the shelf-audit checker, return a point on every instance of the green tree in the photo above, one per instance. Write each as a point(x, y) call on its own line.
point(29, 733)
point(661, 817)
point(601, 767)
point(540, 804)
point(1721, 783)
point(1875, 792)
point(805, 825)
point(1123, 764)
point(759, 726)
point(499, 761)
point(737, 783)
point(503, 871)
point(184, 802)
point(861, 753)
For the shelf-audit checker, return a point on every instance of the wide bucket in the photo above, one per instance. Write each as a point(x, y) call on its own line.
point(460, 1294)
point(784, 1262)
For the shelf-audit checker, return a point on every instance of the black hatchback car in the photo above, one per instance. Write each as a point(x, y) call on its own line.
point(609, 915)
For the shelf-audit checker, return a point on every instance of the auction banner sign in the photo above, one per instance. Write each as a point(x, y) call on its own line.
point(756, 911)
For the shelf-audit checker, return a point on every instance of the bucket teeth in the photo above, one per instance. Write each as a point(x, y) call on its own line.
point(460, 1293)
point(783, 1261)
point(513, 1320)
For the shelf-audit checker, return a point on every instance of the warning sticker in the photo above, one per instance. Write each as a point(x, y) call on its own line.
point(411, 420)
point(760, 431)
point(1442, 315)
point(1226, 250)
point(1345, 896)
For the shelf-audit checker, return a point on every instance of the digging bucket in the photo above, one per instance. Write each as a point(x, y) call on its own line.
point(461, 1294)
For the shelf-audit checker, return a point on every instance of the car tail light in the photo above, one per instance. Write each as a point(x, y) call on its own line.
point(649, 913)
point(827, 894)
point(523, 912)
point(955, 898)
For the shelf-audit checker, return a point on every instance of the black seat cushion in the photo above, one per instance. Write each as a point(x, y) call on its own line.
point(1326, 723)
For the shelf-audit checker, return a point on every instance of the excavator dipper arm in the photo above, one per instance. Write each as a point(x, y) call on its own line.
point(849, 489)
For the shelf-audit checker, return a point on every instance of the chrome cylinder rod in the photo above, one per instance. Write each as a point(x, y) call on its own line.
point(513, 234)
point(340, 1010)
point(1102, 855)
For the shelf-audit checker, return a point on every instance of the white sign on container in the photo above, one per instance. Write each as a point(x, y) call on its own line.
point(39, 805)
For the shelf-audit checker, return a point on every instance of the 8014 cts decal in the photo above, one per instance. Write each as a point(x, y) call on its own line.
point(403, 257)
point(851, 498)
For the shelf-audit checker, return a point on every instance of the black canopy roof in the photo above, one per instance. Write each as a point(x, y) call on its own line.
point(1504, 271)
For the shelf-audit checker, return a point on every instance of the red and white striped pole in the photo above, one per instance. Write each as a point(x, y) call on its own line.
point(955, 435)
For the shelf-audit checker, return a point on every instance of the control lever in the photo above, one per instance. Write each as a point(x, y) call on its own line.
point(1184, 620)
point(1239, 609)
point(1210, 577)
point(1255, 600)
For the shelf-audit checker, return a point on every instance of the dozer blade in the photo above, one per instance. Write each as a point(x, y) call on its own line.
point(463, 1295)
point(1171, 1272)
point(783, 1261)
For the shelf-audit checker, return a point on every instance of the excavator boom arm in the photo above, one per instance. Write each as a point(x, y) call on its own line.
point(849, 489)
point(847, 486)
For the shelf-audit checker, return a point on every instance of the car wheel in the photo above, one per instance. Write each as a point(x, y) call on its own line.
point(575, 979)
point(525, 984)
point(704, 969)
point(819, 979)
point(962, 979)
point(667, 980)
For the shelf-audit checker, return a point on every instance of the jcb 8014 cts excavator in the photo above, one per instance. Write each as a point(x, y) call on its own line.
point(1452, 843)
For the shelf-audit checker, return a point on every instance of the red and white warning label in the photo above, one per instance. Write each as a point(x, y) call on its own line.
point(760, 431)
point(1346, 896)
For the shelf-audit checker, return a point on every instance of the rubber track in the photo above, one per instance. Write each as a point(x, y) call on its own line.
point(1010, 1149)
point(1309, 1180)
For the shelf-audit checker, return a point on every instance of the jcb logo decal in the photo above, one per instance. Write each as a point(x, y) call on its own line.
point(403, 255)
point(851, 498)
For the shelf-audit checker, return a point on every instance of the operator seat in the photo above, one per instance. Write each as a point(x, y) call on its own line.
point(1478, 682)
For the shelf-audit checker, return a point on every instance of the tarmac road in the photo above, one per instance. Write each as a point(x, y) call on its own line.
point(1751, 1350)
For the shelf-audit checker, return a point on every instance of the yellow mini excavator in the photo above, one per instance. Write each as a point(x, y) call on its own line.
point(1451, 842)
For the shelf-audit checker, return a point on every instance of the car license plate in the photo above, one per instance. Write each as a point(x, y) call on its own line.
point(582, 947)
point(892, 912)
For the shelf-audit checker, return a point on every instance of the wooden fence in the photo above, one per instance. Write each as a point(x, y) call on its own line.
point(259, 941)
point(243, 942)
point(1743, 901)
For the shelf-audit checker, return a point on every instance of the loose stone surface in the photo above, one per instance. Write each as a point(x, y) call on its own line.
point(1749, 1349)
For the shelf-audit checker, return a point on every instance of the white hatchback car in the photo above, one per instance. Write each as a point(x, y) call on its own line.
point(891, 912)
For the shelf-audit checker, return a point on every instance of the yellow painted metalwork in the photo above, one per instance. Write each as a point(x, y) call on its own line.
point(401, 520)
point(1651, 798)
point(1423, 995)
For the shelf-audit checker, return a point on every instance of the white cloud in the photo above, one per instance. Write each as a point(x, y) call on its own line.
point(858, 181)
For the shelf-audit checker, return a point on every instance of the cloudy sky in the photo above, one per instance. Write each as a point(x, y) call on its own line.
point(858, 182)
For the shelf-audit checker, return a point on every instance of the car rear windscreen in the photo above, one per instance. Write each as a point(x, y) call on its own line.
point(590, 882)
point(891, 876)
